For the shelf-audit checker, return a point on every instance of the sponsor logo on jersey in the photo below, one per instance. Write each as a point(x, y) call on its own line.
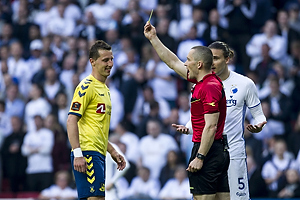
point(233, 89)
point(76, 106)
point(231, 102)
point(240, 194)
point(211, 104)
point(100, 108)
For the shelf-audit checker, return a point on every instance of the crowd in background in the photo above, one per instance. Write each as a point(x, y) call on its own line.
point(44, 55)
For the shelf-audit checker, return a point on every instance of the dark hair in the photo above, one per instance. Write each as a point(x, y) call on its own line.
point(227, 52)
point(204, 54)
point(98, 45)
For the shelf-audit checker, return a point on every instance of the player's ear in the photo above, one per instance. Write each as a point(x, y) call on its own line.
point(92, 61)
point(200, 64)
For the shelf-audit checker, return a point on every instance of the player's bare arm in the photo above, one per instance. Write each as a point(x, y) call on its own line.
point(207, 139)
point(73, 134)
point(118, 158)
point(163, 52)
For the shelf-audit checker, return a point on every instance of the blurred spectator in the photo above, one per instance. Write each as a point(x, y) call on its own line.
point(214, 32)
point(129, 139)
point(102, 12)
point(154, 148)
point(183, 102)
point(264, 65)
point(292, 187)
point(6, 35)
point(180, 30)
point(57, 47)
point(44, 16)
point(37, 147)
point(14, 106)
point(22, 25)
point(52, 85)
point(134, 30)
point(4, 53)
point(285, 30)
point(294, 137)
point(190, 41)
point(40, 76)
point(269, 36)
point(34, 61)
point(59, 25)
point(60, 189)
point(83, 67)
point(239, 13)
point(61, 150)
point(18, 68)
point(177, 187)
point(132, 91)
point(264, 11)
point(162, 30)
point(280, 104)
point(61, 109)
point(143, 186)
point(5, 124)
point(68, 70)
point(141, 128)
point(168, 171)
point(257, 185)
point(274, 170)
point(294, 19)
point(162, 79)
point(142, 106)
point(72, 11)
point(38, 105)
point(117, 102)
point(88, 29)
point(14, 163)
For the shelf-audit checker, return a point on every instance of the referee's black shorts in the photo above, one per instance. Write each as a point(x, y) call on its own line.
point(212, 177)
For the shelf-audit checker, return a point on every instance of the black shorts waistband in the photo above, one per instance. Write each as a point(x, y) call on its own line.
point(215, 141)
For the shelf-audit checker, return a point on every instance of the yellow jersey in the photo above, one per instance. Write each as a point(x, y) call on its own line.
point(91, 102)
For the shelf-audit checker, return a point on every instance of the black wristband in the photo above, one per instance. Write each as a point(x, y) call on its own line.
point(200, 156)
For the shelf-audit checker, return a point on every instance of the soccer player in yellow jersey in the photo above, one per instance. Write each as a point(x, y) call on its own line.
point(88, 126)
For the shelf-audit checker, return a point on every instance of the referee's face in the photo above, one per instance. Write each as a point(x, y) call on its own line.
point(219, 61)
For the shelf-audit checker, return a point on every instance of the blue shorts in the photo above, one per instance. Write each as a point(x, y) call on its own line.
point(91, 183)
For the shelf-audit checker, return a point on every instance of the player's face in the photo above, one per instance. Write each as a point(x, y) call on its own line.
point(104, 63)
point(191, 65)
point(219, 61)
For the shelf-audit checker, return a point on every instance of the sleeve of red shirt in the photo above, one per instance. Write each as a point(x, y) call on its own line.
point(211, 97)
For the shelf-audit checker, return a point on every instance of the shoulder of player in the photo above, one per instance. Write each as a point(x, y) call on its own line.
point(241, 78)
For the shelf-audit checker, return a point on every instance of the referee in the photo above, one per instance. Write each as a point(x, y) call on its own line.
point(207, 169)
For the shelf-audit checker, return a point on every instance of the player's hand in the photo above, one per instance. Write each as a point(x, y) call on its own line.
point(109, 186)
point(149, 31)
point(195, 165)
point(119, 159)
point(80, 164)
point(256, 128)
point(181, 129)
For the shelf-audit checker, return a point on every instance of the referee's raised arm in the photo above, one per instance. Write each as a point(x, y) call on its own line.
point(165, 54)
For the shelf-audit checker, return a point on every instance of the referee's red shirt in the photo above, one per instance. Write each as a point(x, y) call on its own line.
point(208, 96)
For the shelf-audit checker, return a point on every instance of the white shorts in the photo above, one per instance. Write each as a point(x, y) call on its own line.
point(238, 179)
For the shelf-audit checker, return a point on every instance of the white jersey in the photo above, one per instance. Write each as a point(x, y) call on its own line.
point(240, 93)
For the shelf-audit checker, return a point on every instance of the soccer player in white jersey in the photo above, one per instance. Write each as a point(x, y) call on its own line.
point(240, 93)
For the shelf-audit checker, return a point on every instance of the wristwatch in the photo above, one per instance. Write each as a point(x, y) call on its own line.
point(200, 156)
